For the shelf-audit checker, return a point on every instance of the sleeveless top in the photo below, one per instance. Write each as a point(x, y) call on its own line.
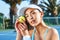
point(45, 34)
point(33, 35)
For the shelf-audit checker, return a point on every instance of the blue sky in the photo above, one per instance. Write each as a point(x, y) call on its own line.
point(4, 7)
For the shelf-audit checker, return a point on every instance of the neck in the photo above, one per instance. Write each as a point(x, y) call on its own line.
point(41, 27)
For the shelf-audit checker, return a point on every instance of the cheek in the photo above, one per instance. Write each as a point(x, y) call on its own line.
point(28, 20)
point(38, 18)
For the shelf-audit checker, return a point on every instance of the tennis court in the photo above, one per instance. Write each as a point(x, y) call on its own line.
point(11, 35)
point(7, 35)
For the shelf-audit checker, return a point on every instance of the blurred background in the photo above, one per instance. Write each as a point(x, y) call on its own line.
point(9, 12)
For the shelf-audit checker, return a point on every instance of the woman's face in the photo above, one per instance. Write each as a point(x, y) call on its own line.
point(33, 16)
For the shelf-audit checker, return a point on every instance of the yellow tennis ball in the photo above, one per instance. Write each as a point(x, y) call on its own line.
point(21, 19)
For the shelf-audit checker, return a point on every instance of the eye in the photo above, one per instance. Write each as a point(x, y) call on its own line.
point(33, 13)
point(26, 15)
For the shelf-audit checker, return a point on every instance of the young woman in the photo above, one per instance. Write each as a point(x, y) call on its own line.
point(38, 30)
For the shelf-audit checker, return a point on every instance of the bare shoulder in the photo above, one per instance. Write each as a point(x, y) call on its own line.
point(54, 31)
point(54, 34)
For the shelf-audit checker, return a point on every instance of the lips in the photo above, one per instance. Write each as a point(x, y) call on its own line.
point(33, 21)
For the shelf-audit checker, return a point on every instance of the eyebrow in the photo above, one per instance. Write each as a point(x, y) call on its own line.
point(31, 11)
point(35, 9)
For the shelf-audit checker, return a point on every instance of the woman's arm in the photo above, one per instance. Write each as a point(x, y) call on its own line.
point(21, 29)
point(18, 36)
point(55, 35)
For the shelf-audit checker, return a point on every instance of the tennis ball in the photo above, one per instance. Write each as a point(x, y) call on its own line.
point(21, 19)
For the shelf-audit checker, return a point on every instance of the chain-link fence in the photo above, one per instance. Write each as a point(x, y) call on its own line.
point(52, 20)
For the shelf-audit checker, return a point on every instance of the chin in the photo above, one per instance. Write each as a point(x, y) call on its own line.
point(33, 25)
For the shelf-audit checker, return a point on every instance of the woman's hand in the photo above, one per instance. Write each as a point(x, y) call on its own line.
point(21, 28)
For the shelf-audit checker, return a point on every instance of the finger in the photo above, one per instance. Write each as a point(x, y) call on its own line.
point(21, 31)
point(25, 24)
point(16, 21)
point(17, 28)
point(16, 25)
point(20, 26)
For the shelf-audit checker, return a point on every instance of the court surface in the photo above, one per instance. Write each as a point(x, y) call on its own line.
point(11, 35)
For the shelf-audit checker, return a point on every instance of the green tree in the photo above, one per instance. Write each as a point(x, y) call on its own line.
point(13, 8)
point(50, 7)
point(34, 2)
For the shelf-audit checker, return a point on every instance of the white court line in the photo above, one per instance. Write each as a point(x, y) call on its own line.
point(9, 34)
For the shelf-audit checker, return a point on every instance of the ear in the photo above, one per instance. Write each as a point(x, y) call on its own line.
point(42, 14)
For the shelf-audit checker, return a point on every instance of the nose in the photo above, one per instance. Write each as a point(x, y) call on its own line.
point(31, 17)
